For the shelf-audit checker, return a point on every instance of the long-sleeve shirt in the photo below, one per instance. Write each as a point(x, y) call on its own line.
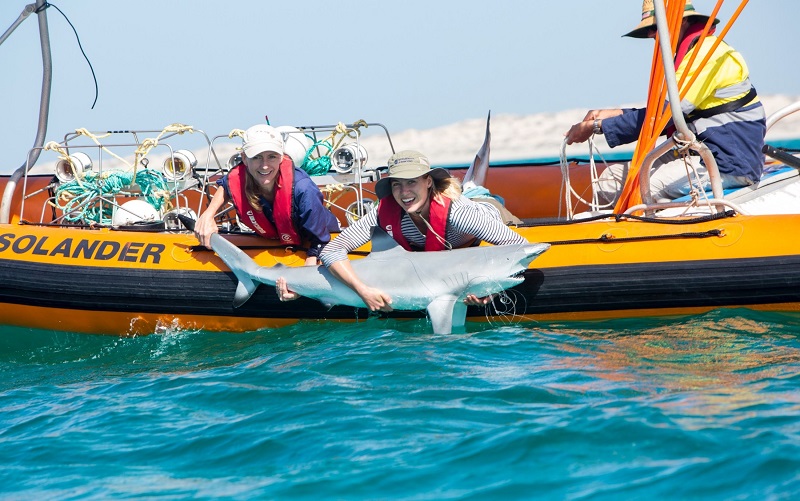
point(467, 220)
point(313, 221)
point(735, 137)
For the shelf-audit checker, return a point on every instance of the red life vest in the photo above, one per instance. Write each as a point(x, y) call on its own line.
point(281, 207)
point(390, 213)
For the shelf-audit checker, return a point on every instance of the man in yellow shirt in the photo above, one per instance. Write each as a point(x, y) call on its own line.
point(721, 108)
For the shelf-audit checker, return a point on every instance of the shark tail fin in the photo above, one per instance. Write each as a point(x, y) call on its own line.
point(244, 290)
point(240, 264)
point(236, 260)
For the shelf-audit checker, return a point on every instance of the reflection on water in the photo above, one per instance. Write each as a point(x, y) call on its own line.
point(718, 366)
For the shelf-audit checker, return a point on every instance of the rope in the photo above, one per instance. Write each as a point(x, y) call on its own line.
point(321, 164)
point(608, 239)
point(150, 143)
point(330, 189)
point(566, 186)
point(142, 150)
point(83, 200)
point(95, 139)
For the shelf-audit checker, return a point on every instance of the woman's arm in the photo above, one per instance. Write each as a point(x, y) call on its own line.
point(314, 221)
point(375, 299)
point(352, 237)
point(342, 270)
point(206, 225)
point(482, 221)
point(334, 256)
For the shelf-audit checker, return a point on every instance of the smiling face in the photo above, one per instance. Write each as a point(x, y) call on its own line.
point(413, 195)
point(264, 169)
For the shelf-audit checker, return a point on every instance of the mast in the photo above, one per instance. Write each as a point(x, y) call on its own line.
point(44, 102)
point(683, 135)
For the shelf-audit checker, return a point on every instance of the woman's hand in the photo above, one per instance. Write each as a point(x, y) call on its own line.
point(282, 288)
point(204, 227)
point(375, 299)
point(284, 294)
point(473, 300)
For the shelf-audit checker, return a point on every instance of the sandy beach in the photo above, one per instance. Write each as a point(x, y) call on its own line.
point(513, 137)
point(517, 137)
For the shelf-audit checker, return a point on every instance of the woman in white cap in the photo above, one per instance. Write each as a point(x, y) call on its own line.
point(721, 106)
point(271, 196)
point(422, 209)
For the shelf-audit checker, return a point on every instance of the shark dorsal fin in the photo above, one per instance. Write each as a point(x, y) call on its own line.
point(382, 242)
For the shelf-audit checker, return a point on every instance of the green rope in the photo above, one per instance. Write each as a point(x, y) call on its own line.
point(80, 200)
point(321, 165)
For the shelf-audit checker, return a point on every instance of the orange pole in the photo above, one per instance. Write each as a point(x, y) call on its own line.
point(651, 128)
point(720, 37)
point(658, 115)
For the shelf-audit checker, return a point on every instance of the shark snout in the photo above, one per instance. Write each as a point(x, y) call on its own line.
point(532, 251)
point(523, 258)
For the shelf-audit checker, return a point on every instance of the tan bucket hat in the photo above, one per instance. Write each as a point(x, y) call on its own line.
point(407, 164)
point(649, 18)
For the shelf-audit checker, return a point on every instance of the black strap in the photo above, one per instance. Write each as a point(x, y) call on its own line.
point(724, 108)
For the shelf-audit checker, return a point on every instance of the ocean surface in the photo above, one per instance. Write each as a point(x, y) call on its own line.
point(703, 407)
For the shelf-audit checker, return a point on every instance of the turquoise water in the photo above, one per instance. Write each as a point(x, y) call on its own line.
point(706, 407)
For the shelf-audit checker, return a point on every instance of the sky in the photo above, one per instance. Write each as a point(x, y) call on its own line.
point(220, 65)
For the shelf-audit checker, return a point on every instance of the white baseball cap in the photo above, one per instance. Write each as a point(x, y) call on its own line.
point(260, 138)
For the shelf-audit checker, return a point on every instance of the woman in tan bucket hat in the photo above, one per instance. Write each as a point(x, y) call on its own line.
point(721, 108)
point(423, 209)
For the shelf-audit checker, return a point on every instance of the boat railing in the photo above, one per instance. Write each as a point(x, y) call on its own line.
point(332, 155)
point(782, 113)
point(349, 169)
point(95, 174)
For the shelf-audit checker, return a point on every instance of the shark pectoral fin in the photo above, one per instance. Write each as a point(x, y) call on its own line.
point(240, 264)
point(244, 290)
point(459, 314)
point(446, 312)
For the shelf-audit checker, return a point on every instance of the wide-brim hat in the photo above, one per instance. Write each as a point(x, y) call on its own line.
point(649, 18)
point(407, 164)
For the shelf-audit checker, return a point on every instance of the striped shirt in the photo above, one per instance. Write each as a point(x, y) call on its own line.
point(468, 220)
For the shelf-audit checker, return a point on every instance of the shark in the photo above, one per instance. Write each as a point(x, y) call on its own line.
point(437, 282)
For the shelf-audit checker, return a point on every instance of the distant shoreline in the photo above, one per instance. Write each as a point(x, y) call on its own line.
point(514, 138)
point(529, 137)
